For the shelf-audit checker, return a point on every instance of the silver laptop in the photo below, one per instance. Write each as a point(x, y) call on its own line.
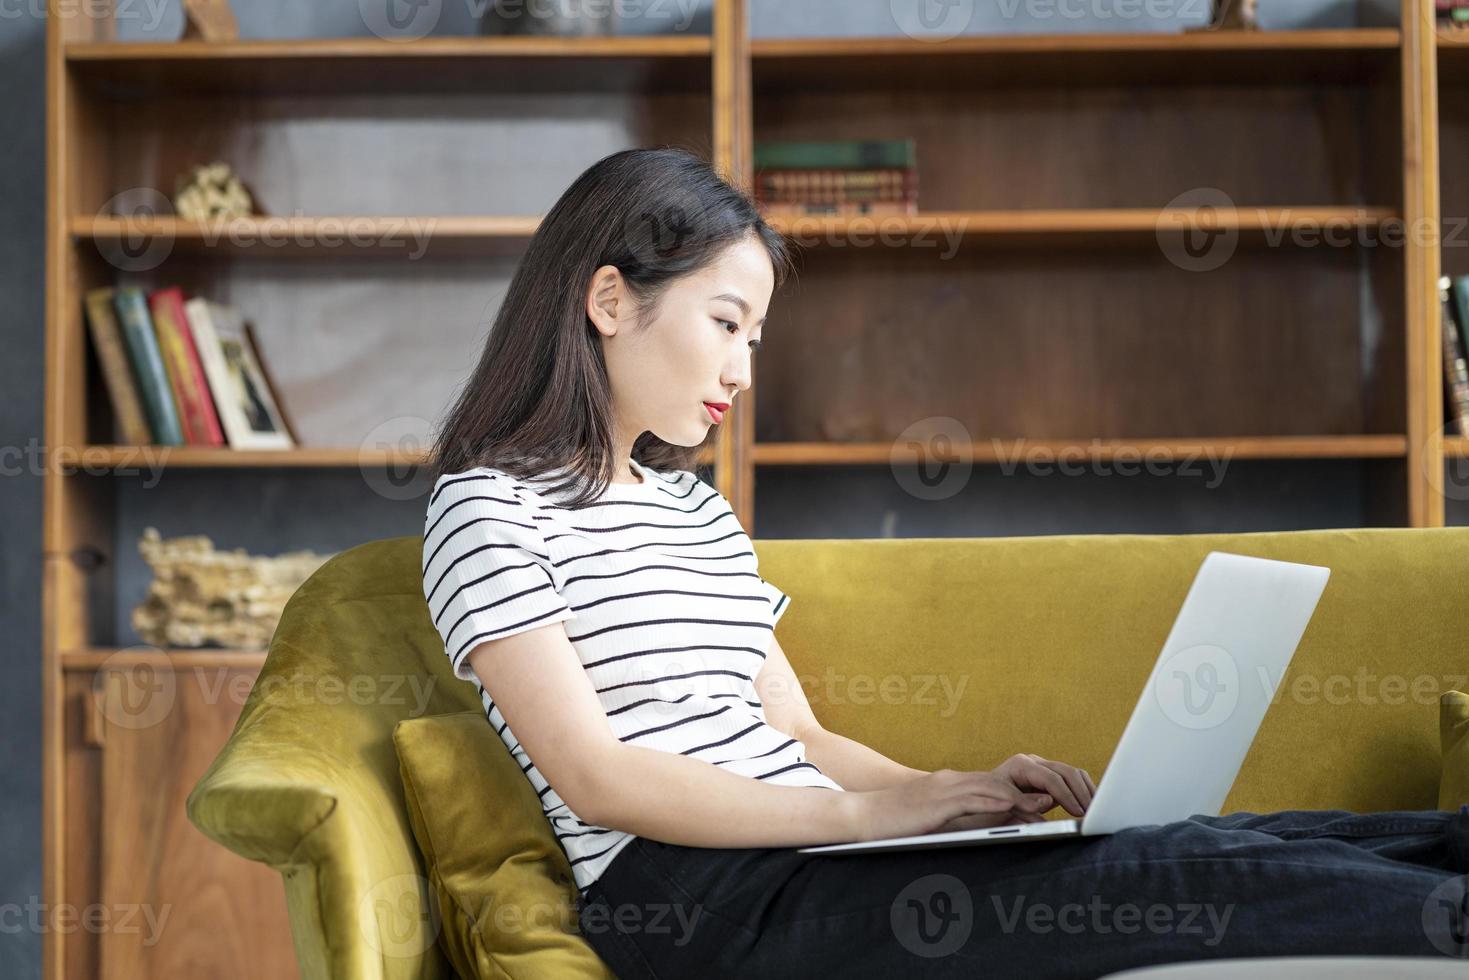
point(1182, 748)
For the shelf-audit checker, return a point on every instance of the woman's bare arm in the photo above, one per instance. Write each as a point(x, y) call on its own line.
point(853, 765)
point(537, 681)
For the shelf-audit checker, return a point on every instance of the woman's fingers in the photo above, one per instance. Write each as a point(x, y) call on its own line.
point(1074, 781)
point(1039, 773)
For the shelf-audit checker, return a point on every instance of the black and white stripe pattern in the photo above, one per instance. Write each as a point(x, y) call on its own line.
point(659, 590)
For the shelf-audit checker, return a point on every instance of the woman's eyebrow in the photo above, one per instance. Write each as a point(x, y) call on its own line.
point(738, 301)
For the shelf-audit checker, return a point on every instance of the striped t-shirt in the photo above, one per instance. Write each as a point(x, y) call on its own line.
point(659, 589)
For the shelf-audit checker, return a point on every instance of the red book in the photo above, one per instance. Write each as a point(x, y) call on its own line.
point(185, 373)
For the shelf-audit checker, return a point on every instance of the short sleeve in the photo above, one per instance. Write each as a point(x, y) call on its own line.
point(779, 601)
point(486, 566)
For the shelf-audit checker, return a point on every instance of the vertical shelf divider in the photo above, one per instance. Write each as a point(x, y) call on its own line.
point(1424, 365)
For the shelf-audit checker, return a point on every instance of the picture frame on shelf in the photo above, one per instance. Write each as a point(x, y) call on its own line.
point(248, 407)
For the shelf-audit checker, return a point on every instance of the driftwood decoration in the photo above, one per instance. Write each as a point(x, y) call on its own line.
point(200, 596)
point(212, 191)
point(209, 20)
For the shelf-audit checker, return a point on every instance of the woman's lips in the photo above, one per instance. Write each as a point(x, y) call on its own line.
point(714, 413)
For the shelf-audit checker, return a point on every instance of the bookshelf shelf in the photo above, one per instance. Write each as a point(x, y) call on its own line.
point(129, 70)
point(789, 453)
point(1244, 447)
point(1456, 446)
point(91, 659)
point(1103, 225)
point(320, 235)
point(333, 235)
point(206, 457)
point(1233, 56)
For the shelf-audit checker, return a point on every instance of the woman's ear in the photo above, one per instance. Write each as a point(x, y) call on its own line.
point(606, 299)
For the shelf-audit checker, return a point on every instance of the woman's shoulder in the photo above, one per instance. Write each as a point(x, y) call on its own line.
point(485, 483)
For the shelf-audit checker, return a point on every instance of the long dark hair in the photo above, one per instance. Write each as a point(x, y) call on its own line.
point(539, 399)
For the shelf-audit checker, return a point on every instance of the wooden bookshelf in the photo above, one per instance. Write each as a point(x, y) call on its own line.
point(1058, 323)
point(131, 115)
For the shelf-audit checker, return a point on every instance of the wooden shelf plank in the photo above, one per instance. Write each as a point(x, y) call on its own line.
point(1244, 57)
point(1287, 224)
point(412, 236)
point(778, 453)
point(1242, 447)
point(1456, 446)
point(107, 458)
point(323, 236)
point(127, 70)
point(94, 658)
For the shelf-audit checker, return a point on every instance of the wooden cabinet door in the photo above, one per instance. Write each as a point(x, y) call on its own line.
point(178, 904)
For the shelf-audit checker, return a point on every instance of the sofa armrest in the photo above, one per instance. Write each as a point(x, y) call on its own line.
point(302, 788)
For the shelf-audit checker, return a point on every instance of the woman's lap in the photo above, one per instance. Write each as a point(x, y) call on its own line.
point(1241, 884)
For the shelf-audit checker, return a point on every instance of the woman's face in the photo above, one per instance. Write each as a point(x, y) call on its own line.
point(697, 349)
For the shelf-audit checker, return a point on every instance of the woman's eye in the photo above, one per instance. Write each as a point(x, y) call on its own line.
point(727, 323)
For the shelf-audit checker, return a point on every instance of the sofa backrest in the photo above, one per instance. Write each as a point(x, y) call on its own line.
point(958, 653)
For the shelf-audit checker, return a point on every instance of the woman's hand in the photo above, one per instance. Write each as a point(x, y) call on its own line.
point(933, 801)
point(1070, 786)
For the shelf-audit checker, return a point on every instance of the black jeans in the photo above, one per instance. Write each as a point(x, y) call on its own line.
point(1294, 882)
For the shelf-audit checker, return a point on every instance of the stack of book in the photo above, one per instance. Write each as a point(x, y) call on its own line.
point(841, 177)
point(183, 372)
point(1453, 294)
point(1451, 13)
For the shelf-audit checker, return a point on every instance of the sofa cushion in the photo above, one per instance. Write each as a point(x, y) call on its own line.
point(1453, 733)
point(503, 885)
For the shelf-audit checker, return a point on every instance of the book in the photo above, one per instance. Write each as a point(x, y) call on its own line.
point(1456, 369)
point(185, 375)
point(847, 209)
point(148, 369)
point(836, 185)
point(1459, 286)
point(247, 406)
point(122, 391)
point(841, 154)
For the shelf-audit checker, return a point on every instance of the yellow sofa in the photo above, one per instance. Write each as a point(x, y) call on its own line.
point(939, 652)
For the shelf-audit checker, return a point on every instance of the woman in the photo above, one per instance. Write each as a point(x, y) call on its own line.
point(609, 607)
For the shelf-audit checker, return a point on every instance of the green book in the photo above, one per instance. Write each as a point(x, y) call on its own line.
point(1460, 289)
point(835, 154)
point(152, 377)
